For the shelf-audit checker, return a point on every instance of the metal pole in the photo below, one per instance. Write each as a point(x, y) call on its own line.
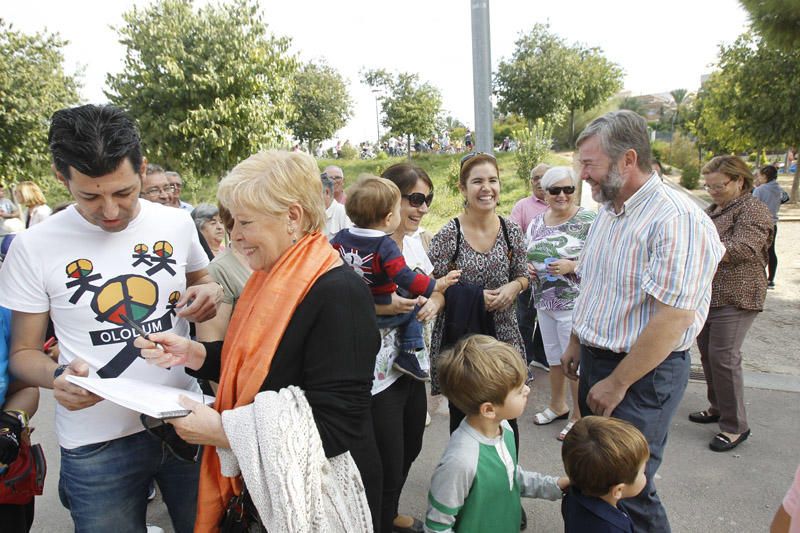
point(377, 119)
point(482, 75)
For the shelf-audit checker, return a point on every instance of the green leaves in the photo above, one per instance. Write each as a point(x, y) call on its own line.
point(410, 107)
point(321, 103)
point(208, 87)
point(33, 86)
point(548, 78)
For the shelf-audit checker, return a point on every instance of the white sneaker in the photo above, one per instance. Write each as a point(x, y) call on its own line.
point(153, 529)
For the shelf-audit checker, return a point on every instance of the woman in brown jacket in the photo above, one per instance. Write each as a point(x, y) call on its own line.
point(738, 291)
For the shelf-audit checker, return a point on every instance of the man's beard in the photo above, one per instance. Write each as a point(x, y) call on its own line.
point(609, 189)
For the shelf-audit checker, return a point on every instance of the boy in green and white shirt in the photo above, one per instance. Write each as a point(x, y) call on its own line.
point(477, 485)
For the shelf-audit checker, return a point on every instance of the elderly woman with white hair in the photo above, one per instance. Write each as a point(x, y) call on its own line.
point(281, 339)
point(555, 239)
point(206, 218)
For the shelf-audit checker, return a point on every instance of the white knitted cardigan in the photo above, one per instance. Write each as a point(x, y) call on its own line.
point(276, 447)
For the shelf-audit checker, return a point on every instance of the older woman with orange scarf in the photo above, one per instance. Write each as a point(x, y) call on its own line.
point(304, 319)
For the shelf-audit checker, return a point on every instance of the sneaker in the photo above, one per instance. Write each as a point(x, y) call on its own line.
point(540, 366)
point(770, 284)
point(153, 529)
point(151, 492)
point(407, 363)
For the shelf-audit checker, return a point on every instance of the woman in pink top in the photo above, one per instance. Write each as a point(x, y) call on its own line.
point(787, 519)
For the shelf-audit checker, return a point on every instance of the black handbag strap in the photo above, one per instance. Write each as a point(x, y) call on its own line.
point(503, 226)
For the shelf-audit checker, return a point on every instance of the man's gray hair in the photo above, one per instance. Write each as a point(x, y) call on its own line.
point(204, 213)
point(173, 174)
point(618, 132)
point(327, 183)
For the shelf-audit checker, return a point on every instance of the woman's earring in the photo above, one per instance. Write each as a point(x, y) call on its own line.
point(466, 203)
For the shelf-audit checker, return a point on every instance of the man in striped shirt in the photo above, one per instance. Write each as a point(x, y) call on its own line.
point(646, 273)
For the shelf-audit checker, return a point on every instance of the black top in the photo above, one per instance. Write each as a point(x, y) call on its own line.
point(589, 514)
point(329, 350)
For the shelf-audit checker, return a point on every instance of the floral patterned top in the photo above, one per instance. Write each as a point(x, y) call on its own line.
point(491, 270)
point(546, 243)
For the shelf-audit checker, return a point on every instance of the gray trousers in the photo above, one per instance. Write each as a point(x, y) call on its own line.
point(720, 345)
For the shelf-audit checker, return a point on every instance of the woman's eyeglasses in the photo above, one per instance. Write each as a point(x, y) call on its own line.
point(716, 188)
point(470, 155)
point(416, 199)
point(555, 191)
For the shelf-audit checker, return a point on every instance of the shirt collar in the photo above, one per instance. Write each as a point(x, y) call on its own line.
point(366, 232)
point(645, 191)
point(601, 508)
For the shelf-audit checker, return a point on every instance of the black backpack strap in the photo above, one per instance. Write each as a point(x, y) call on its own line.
point(452, 265)
point(508, 241)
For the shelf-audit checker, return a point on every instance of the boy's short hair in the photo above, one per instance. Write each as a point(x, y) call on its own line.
point(600, 452)
point(479, 369)
point(370, 199)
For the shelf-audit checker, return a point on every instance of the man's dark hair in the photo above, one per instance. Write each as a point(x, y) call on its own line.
point(769, 172)
point(93, 140)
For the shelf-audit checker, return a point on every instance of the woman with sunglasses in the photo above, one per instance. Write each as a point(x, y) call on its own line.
point(399, 402)
point(555, 238)
point(490, 252)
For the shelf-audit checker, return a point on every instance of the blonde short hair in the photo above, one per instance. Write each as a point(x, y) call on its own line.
point(269, 182)
point(370, 199)
point(479, 369)
point(30, 194)
point(731, 166)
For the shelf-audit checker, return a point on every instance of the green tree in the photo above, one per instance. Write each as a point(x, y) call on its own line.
point(631, 103)
point(777, 20)
point(207, 87)
point(321, 103)
point(753, 98)
point(33, 85)
point(531, 82)
point(410, 107)
point(593, 80)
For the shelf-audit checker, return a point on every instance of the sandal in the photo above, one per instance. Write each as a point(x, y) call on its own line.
point(567, 428)
point(703, 417)
point(547, 416)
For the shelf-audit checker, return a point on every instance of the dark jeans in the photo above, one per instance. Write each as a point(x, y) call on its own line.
point(456, 416)
point(105, 485)
point(531, 334)
point(772, 264)
point(649, 404)
point(398, 415)
point(16, 518)
point(409, 330)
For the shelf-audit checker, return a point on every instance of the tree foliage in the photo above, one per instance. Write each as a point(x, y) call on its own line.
point(33, 85)
point(207, 87)
point(321, 102)
point(548, 78)
point(752, 101)
point(778, 21)
point(534, 143)
point(410, 107)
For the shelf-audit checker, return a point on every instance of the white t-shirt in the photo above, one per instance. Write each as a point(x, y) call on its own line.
point(86, 278)
point(336, 220)
point(385, 373)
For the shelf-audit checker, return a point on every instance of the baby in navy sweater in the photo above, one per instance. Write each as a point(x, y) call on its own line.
point(373, 204)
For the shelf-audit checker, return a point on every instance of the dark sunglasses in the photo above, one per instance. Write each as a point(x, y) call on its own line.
point(178, 447)
point(416, 199)
point(555, 191)
point(470, 155)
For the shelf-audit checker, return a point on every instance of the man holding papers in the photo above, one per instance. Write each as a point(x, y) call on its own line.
point(109, 256)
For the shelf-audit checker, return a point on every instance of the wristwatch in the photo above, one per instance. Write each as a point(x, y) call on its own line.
point(20, 415)
point(58, 371)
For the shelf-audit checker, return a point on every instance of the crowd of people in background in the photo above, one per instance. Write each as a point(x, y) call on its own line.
point(302, 306)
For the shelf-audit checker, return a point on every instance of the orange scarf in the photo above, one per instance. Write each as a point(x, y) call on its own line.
point(257, 326)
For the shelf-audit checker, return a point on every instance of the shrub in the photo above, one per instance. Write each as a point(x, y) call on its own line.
point(682, 153)
point(451, 178)
point(534, 144)
point(690, 178)
point(348, 151)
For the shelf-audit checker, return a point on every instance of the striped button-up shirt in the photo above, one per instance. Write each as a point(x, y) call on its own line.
point(660, 246)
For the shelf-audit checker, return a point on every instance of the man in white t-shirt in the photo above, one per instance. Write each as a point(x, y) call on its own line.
point(110, 254)
point(335, 215)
